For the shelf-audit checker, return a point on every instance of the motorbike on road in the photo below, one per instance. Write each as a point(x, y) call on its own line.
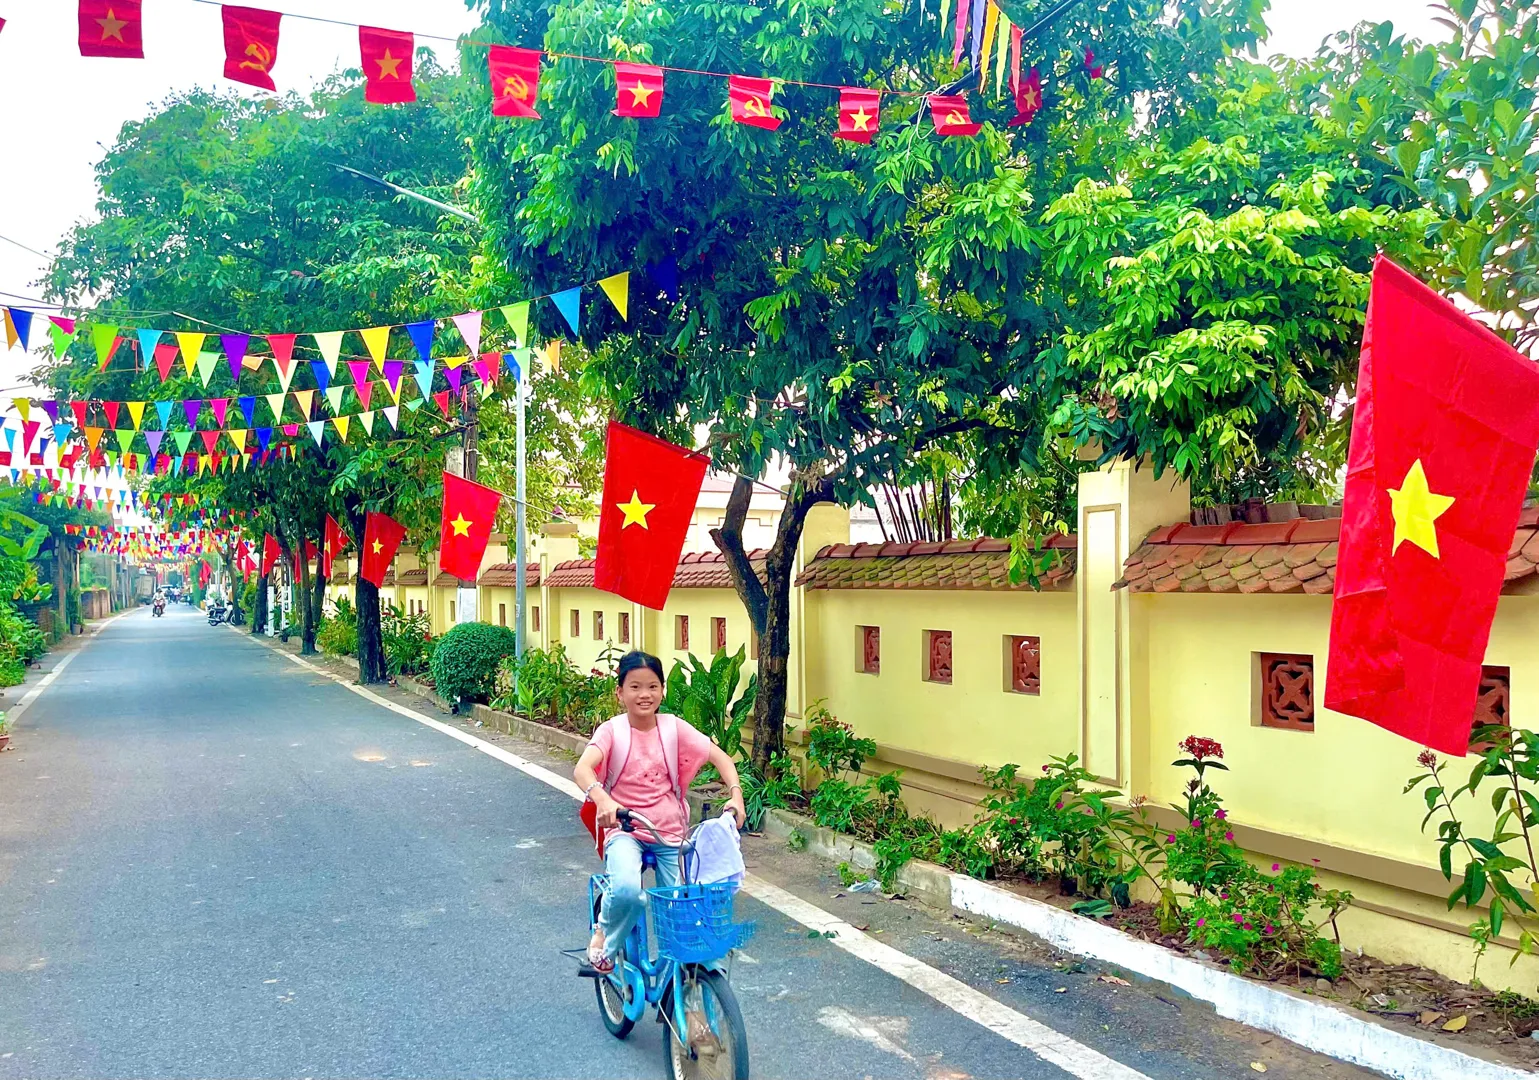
point(159, 607)
point(217, 614)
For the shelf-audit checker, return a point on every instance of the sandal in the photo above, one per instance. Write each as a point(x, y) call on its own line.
point(597, 960)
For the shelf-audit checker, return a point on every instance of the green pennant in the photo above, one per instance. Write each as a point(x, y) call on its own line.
point(206, 362)
point(517, 316)
point(61, 339)
point(125, 438)
point(183, 440)
point(104, 336)
point(334, 398)
point(414, 404)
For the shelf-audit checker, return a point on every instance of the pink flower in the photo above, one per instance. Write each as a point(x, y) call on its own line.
point(1247, 926)
point(1200, 748)
point(1221, 814)
point(1276, 867)
point(1044, 768)
point(1238, 917)
point(1426, 759)
point(1171, 839)
point(1223, 896)
point(1202, 922)
point(1229, 835)
point(1196, 823)
point(1270, 929)
point(1058, 805)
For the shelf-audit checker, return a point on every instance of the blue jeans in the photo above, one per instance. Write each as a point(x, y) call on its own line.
point(623, 902)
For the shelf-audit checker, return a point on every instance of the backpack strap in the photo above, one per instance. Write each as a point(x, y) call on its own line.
point(668, 734)
point(619, 749)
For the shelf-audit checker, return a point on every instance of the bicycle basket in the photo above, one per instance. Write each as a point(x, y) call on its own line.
point(693, 923)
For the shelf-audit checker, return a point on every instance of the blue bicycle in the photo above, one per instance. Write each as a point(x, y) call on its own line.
point(703, 1033)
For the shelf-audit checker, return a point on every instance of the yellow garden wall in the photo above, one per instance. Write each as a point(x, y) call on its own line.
point(975, 720)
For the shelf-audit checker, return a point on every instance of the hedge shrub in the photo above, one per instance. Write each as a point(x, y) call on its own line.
point(465, 660)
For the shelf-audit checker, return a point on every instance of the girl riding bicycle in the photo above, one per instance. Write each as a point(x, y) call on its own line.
point(643, 761)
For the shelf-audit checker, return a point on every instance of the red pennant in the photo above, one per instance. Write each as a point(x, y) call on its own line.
point(750, 101)
point(111, 28)
point(950, 115)
point(335, 541)
point(270, 552)
point(638, 90)
point(386, 56)
point(469, 512)
point(859, 112)
point(1028, 99)
point(165, 356)
point(382, 536)
point(250, 45)
point(282, 346)
point(515, 77)
point(441, 399)
point(1096, 70)
point(210, 439)
point(79, 409)
point(111, 409)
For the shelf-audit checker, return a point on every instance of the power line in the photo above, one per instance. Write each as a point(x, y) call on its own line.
point(24, 247)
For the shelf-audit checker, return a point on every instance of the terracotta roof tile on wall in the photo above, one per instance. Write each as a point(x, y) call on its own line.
point(389, 578)
point(506, 575)
point(957, 564)
point(696, 570)
point(448, 581)
point(413, 577)
point(340, 576)
point(1296, 556)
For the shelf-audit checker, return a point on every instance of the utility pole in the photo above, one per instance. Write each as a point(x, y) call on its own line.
point(520, 592)
point(465, 606)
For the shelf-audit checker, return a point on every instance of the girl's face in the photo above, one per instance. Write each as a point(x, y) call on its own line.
point(642, 692)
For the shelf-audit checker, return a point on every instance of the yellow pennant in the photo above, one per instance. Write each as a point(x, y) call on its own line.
point(136, 412)
point(618, 289)
point(341, 422)
point(238, 437)
point(553, 354)
point(191, 344)
point(24, 407)
point(990, 24)
point(455, 361)
point(304, 398)
point(11, 337)
point(376, 339)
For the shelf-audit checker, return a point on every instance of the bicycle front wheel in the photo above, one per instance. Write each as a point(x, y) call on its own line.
point(714, 1044)
point(611, 1001)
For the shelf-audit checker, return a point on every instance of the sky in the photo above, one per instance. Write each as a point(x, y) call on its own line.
point(63, 109)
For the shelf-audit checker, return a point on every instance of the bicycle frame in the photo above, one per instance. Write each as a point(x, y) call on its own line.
point(646, 978)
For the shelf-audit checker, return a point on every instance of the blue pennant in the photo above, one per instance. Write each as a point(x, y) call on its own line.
point(569, 303)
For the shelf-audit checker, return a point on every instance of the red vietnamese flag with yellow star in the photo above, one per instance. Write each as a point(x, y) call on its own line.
point(382, 536)
point(386, 56)
point(860, 110)
point(468, 513)
point(1443, 440)
point(650, 490)
point(335, 542)
point(270, 553)
point(111, 28)
point(638, 90)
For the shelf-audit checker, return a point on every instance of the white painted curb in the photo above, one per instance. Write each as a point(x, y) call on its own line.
point(14, 713)
point(1316, 1025)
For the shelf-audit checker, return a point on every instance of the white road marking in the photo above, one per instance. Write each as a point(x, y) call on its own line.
point(15, 711)
point(1051, 1046)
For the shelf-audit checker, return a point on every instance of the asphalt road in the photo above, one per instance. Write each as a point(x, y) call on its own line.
point(215, 863)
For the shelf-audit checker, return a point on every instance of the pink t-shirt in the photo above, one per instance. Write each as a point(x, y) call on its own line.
point(643, 783)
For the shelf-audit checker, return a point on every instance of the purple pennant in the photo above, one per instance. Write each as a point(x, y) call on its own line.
point(192, 408)
point(153, 438)
point(454, 375)
point(393, 375)
point(484, 371)
point(52, 409)
point(235, 350)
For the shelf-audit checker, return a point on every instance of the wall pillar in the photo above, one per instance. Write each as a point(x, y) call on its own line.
point(825, 524)
point(1119, 505)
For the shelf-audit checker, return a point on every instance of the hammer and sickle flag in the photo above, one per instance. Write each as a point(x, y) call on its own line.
point(750, 101)
point(515, 77)
point(250, 45)
point(950, 114)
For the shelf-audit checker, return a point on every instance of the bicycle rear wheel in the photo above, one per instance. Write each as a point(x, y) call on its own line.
point(714, 1045)
point(611, 1003)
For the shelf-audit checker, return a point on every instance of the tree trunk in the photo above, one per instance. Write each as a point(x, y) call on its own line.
point(769, 602)
point(317, 596)
point(259, 607)
point(306, 621)
point(371, 639)
point(236, 587)
point(61, 586)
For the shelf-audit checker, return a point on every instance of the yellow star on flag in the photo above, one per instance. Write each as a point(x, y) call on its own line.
point(861, 119)
point(635, 511)
point(388, 65)
point(640, 93)
point(460, 526)
point(378, 547)
point(112, 26)
point(1415, 508)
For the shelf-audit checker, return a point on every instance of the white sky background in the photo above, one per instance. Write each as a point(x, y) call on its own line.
point(63, 110)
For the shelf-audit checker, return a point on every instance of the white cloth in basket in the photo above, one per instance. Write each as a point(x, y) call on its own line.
point(718, 853)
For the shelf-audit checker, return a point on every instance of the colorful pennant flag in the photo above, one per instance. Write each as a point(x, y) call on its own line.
point(569, 303)
point(377, 340)
point(618, 288)
point(469, 325)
